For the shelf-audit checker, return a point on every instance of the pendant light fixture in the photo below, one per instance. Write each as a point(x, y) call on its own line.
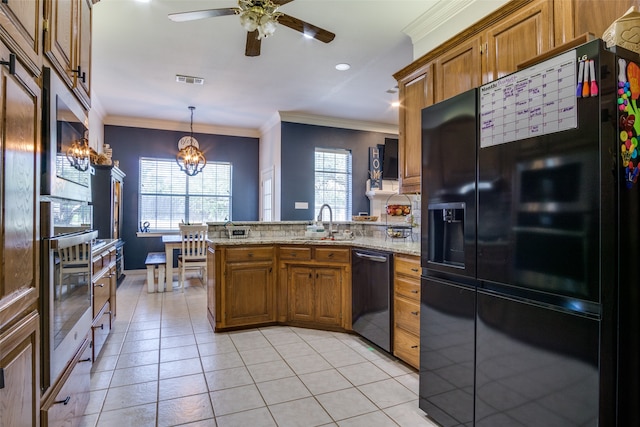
point(190, 159)
point(79, 154)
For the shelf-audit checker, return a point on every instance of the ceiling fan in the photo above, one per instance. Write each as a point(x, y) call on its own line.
point(259, 18)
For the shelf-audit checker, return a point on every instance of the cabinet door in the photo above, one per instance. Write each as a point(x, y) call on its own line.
point(20, 364)
point(83, 56)
point(519, 37)
point(416, 92)
point(249, 293)
point(301, 294)
point(60, 37)
point(458, 70)
point(20, 26)
point(19, 169)
point(328, 296)
point(211, 284)
point(576, 17)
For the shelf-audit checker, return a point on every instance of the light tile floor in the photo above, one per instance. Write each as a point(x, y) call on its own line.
point(162, 365)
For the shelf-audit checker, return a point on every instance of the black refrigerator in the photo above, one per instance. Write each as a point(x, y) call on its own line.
point(530, 247)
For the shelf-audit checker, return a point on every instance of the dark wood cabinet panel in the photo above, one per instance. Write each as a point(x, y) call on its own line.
point(21, 30)
point(249, 293)
point(458, 70)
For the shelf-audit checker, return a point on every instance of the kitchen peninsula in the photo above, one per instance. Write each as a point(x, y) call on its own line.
point(276, 275)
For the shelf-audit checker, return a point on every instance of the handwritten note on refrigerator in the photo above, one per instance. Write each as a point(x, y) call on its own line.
point(536, 101)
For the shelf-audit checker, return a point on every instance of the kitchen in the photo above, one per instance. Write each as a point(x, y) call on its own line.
point(407, 162)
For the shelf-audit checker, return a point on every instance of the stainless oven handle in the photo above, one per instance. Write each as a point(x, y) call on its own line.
point(375, 258)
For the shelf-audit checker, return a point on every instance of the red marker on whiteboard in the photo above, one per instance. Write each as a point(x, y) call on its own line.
point(594, 83)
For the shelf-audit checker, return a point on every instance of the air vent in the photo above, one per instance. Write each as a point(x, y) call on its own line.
point(189, 79)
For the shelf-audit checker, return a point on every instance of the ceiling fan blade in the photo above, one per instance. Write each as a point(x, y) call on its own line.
point(306, 28)
point(253, 44)
point(281, 2)
point(201, 14)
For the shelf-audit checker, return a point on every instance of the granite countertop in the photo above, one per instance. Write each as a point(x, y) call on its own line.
point(401, 246)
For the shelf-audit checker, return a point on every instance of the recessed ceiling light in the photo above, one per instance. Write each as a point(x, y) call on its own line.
point(343, 67)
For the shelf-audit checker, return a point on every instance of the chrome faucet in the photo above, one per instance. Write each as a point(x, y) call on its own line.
point(330, 234)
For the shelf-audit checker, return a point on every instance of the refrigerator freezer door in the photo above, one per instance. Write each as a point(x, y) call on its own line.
point(535, 366)
point(447, 340)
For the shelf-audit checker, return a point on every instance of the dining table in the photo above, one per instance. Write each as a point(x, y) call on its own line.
point(171, 242)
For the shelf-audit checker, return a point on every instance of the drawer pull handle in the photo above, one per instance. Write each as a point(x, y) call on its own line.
point(293, 254)
point(250, 254)
point(64, 402)
point(81, 74)
point(99, 327)
point(88, 359)
point(99, 285)
point(415, 270)
point(415, 291)
point(331, 255)
point(415, 313)
point(414, 346)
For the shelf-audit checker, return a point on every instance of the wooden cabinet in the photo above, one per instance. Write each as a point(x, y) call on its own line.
point(106, 196)
point(104, 296)
point(416, 92)
point(19, 246)
point(20, 370)
point(406, 311)
point(21, 29)
point(211, 284)
point(520, 36)
point(315, 295)
point(66, 402)
point(67, 44)
point(458, 69)
point(316, 281)
point(247, 286)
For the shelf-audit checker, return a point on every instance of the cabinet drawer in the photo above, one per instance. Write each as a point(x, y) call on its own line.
point(408, 265)
point(295, 253)
point(253, 253)
point(101, 293)
point(407, 315)
point(97, 264)
point(406, 346)
point(332, 255)
point(70, 402)
point(100, 331)
point(407, 287)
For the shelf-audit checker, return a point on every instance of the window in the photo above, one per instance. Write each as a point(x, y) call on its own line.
point(333, 182)
point(168, 196)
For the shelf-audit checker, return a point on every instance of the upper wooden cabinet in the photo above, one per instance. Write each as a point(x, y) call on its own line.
point(520, 36)
point(492, 48)
point(416, 92)
point(68, 43)
point(21, 29)
point(459, 69)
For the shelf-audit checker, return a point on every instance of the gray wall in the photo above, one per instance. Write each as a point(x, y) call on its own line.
point(129, 144)
point(298, 143)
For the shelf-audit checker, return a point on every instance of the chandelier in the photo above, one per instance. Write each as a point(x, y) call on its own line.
point(190, 159)
point(79, 154)
point(258, 15)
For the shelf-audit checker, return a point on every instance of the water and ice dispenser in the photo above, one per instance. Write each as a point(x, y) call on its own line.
point(446, 234)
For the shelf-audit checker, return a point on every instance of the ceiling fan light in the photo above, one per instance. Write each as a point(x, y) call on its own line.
point(249, 21)
point(267, 28)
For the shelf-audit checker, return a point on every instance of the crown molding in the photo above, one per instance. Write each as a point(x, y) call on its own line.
point(180, 126)
point(309, 119)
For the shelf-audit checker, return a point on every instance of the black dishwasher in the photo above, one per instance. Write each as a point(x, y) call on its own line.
point(371, 297)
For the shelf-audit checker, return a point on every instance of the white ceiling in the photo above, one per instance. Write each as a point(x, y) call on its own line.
point(137, 52)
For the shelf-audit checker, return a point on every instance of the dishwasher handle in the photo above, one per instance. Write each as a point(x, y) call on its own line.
point(376, 258)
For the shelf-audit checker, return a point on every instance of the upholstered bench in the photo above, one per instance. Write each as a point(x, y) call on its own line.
point(155, 261)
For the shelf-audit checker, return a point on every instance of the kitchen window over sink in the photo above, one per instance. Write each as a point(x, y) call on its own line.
point(167, 196)
point(333, 182)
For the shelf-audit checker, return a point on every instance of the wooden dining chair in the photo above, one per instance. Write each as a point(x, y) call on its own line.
point(194, 251)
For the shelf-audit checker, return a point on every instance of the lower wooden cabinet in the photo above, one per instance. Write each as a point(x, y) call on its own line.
point(67, 400)
point(20, 371)
point(100, 330)
point(406, 312)
point(315, 295)
point(246, 277)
